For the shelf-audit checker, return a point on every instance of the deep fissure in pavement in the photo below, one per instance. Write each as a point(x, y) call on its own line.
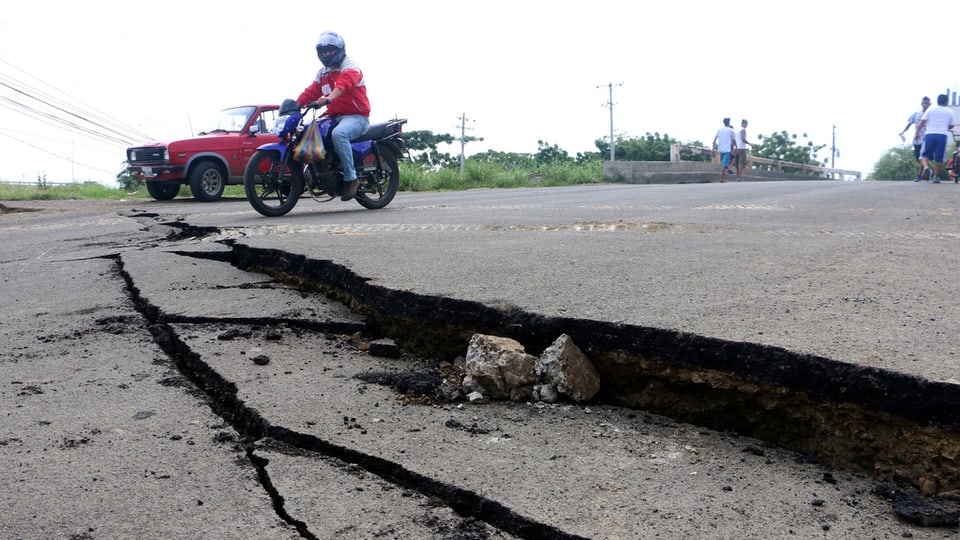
point(225, 402)
point(895, 426)
point(263, 474)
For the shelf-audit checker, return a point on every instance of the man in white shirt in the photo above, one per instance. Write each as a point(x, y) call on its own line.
point(725, 142)
point(938, 122)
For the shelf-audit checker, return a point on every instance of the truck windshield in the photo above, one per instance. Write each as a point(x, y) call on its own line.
point(232, 119)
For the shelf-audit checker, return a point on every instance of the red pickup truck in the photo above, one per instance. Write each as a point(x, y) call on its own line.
point(208, 162)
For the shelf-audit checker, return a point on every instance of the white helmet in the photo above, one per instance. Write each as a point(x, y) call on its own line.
point(331, 50)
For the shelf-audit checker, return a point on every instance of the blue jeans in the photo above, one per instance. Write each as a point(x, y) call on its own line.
point(349, 127)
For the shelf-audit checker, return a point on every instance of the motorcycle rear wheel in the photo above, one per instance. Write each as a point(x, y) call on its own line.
point(272, 187)
point(377, 188)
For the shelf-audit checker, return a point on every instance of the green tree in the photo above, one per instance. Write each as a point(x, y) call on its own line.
point(651, 147)
point(783, 146)
point(586, 158)
point(422, 147)
point(505, 160)
point(896, 163)
point(548, 154)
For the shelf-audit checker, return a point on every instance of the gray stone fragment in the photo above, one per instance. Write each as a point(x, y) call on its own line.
point(384, 348)
point(499, 368)
point(546, 393)
point(564, 367)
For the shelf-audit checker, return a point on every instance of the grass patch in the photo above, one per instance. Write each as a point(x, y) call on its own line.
point(64, 192)
point(90, 190)
point(476, 174)
point(480, 174)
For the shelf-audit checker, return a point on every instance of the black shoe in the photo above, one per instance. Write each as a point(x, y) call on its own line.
point(349, 190)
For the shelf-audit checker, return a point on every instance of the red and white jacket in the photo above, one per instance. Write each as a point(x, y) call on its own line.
point(349, 79)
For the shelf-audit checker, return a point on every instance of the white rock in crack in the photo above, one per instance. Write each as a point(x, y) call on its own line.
point(499, 368)
point(564, 367)
point(477, 397)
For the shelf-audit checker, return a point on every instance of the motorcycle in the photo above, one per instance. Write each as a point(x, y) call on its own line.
point(274, 180)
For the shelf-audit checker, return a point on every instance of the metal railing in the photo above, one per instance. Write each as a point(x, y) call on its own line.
point(35, 183)
point(776, 165)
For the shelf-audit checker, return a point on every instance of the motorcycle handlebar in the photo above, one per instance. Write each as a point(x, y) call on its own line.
point(313, 105)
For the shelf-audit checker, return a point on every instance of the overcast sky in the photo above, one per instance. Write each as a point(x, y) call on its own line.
point(521, 71)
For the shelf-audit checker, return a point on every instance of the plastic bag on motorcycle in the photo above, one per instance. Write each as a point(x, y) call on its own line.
point(310, 147)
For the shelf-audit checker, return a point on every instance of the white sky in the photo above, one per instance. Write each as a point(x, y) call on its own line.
point(521, 70)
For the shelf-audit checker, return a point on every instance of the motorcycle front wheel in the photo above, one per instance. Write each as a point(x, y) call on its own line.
point(378, 187)
point(272, 187)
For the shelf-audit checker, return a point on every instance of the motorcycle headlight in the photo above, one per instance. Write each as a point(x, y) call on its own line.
point(287, 124)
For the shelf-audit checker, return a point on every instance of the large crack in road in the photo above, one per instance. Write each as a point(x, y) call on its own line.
point(345, 444)
point(254, 428)
point(758, 391)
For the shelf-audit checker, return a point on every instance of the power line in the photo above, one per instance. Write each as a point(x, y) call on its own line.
point(68, 100)
point(55, 108)
point(53, 119)
point(48, 137)
point(69, 120)
point(68, 110)
point(45, 151)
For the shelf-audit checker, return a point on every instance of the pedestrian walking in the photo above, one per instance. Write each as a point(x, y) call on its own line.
point(740, 153)
point(914, 120)
point(725, 142)
point(937, 122)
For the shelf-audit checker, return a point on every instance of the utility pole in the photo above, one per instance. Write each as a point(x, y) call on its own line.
point(610, 105)
point(463, 138)
point(834, 151)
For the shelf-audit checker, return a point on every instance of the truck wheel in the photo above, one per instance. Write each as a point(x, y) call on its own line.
point(207, 182)
point(163, 191)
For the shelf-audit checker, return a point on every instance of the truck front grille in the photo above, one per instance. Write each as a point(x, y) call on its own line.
point(151, 154)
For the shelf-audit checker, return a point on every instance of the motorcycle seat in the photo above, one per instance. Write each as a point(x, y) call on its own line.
point(381, 130)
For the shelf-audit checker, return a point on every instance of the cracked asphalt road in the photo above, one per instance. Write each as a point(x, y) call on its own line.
point(127, 412)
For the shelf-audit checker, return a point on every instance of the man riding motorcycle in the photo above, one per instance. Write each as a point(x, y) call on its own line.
point(340, 86)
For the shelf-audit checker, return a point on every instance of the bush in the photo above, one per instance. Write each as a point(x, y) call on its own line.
point(897, 163)
point(566, 174)
point(493, 171)
point(414, 177)
point(128, 181)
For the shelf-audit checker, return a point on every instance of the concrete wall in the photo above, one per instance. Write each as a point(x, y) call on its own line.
point(683, 172)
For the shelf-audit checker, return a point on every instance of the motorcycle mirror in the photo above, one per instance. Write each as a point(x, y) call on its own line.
point(289, 106)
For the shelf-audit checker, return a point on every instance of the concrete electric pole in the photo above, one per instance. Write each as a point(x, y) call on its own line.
point(463, 138)
point(610, 105)
point(834, 151)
